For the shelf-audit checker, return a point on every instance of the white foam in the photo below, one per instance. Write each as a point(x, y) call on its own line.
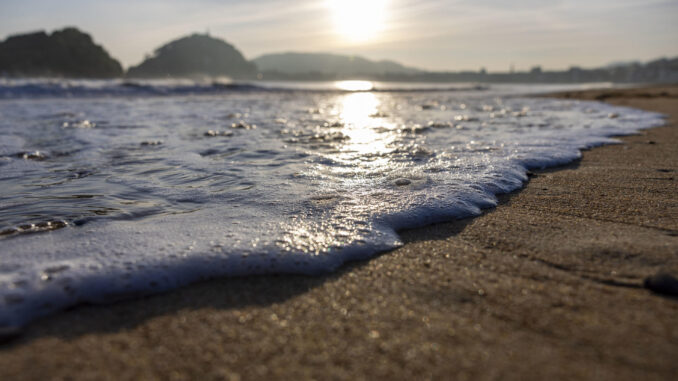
point(276, 199)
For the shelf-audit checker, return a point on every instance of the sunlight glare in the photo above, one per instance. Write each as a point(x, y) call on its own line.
point(358, 20)
point(359, 125)
point(354, 85)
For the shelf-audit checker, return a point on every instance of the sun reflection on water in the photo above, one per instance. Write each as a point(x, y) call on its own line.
point(365, 153)
point(366, 133)
point(354, 85)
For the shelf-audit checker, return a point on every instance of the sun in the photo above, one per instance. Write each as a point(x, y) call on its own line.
point(358, 21)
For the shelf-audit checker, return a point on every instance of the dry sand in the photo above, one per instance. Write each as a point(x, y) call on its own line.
point(547, 285)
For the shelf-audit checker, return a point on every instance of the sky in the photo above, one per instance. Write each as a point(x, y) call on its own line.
point(428, 34)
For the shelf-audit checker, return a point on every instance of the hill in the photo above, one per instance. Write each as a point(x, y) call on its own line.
point(328, 64)
point(195, 55)
point(65, 53)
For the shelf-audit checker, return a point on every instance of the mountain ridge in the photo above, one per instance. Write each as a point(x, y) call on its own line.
point(195, 55)
point(67, 52)
point(71, 53)
point(329, 63)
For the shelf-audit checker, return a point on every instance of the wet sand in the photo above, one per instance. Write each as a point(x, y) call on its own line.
point(547, 285)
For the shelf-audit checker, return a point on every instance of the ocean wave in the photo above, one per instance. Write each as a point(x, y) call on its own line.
point(116, 197)
point(46, 88)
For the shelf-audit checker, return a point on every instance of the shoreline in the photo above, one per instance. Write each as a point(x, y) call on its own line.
point(547, 284)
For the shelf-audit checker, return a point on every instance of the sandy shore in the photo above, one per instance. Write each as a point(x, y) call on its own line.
point(547, 285)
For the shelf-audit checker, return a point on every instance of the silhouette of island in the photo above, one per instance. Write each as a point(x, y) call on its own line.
point(72, 53)
point(65, 53)
point(295, 64)
point(195, 55)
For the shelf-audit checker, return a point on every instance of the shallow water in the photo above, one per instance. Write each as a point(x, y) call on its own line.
point(110, 189)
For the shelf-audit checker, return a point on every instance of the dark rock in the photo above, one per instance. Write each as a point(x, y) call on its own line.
point(662, 283)
point(9, 333)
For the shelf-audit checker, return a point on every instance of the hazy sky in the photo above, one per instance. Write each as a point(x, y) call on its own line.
point(431, 34)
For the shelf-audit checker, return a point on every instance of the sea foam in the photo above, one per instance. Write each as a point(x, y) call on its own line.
point(133, 194)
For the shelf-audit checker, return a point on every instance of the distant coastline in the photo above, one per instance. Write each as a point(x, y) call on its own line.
point(70, 53)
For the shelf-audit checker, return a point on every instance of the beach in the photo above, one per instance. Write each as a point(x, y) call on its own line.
point(549, 284)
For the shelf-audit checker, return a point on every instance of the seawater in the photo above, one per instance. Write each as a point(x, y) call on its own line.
point(113, 188)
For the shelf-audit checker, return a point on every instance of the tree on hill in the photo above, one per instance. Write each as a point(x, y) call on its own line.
point(195, 55)
point(65, 53)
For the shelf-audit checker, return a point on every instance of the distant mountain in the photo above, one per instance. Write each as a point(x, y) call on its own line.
point(195, 55)
point(65, 53)
point(618, 64)
point(329, 64)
